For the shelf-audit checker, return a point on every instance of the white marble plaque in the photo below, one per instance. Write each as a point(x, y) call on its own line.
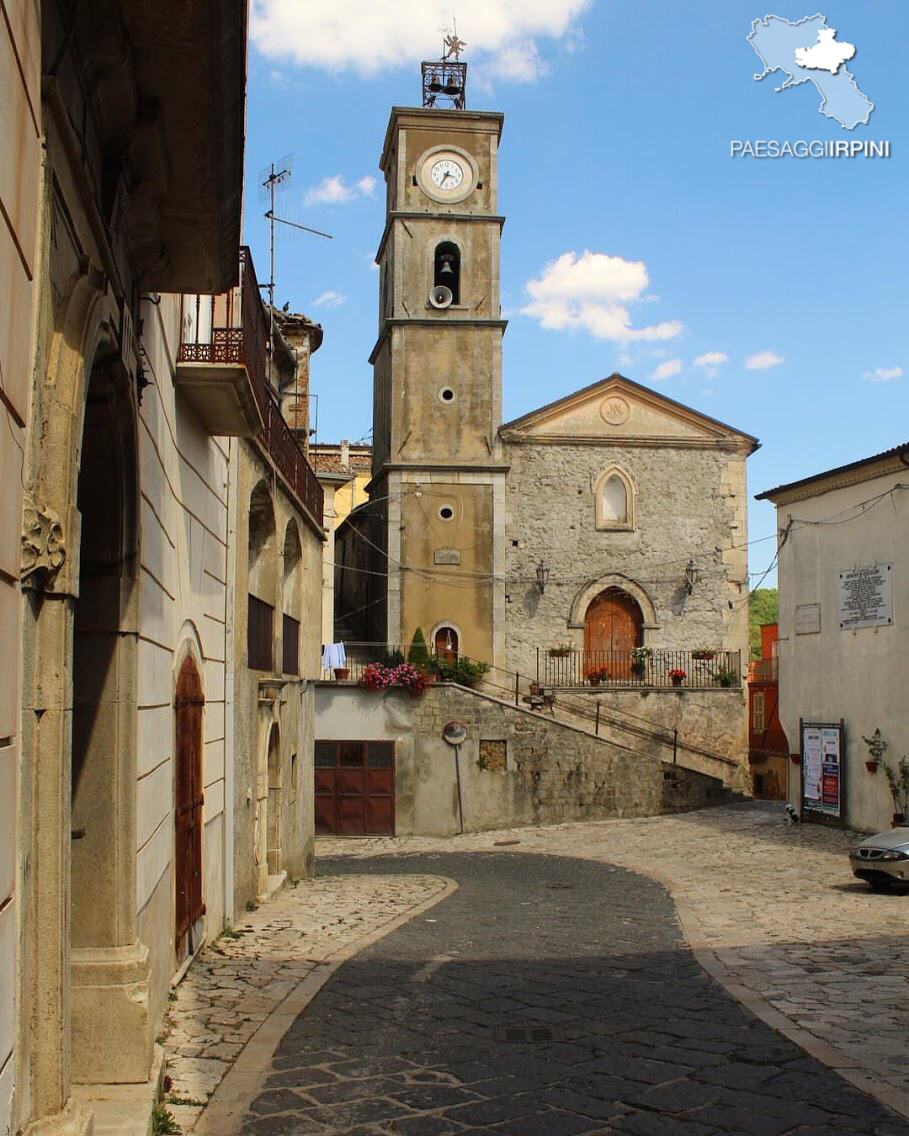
point(807, 619)
point(866, 597)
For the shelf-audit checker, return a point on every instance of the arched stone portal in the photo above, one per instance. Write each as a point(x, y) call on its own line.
point(275, 802)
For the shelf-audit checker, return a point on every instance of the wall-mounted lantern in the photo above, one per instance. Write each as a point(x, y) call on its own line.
point(542, 575)
point(692, 576)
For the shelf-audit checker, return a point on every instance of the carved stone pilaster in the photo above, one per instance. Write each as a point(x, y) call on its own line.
point(43, 544)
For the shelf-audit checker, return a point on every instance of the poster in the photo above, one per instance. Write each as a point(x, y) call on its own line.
point(822, 781)
point(866, 597)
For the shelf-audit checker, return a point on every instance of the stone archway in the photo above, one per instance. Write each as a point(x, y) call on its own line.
point(275, 803)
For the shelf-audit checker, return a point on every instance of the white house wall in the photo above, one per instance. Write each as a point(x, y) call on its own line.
point(859, 675)
point(182, 598)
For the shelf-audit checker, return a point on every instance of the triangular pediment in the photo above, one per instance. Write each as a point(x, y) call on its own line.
point(617, 408)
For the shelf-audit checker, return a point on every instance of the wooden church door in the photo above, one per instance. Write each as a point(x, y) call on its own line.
point(613, 627)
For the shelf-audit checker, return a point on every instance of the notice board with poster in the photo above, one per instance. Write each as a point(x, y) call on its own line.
point(823, 768)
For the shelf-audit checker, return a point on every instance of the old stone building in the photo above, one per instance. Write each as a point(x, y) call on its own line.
point(617, 490)
point(122, 526)
point(611, 521)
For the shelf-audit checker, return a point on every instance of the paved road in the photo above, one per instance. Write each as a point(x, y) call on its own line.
point(547, 996)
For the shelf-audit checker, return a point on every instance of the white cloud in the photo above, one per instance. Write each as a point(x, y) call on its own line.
point(763, 360)
point(883, 374)
point(329, 299)
point(370, 36)
point(590, 291)
point(710, 361)
point(333, 191)
point(668, 369)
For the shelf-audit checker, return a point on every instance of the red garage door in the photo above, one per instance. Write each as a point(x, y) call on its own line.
point(355, 788)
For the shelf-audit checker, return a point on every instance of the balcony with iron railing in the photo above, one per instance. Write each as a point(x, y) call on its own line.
point(221, 371)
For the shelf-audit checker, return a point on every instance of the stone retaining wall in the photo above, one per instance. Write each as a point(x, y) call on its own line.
point(553, 772)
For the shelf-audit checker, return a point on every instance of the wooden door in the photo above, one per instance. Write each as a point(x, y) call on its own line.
point(355, 788)
point(613, 627)
point(188, 802)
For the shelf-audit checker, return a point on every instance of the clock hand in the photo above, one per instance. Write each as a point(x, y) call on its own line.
point(447, 174)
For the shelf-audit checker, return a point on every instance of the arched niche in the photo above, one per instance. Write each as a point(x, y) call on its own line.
point(614, 500)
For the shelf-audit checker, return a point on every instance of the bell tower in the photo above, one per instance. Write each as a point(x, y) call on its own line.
point(438, 483)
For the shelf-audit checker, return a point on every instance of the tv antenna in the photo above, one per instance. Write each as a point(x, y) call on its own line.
point(277, 176)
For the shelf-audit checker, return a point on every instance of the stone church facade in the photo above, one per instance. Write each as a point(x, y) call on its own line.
point(611, 520)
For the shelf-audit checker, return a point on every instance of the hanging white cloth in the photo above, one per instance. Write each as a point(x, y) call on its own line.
point(333, 655)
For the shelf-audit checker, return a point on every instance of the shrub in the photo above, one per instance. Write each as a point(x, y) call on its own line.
point(467, 672)
point(418, 653)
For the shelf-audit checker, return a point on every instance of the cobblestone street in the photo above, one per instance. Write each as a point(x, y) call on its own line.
point(770, 910)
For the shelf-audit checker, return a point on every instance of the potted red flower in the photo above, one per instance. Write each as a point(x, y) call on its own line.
point(596, 675)
point(677, 676)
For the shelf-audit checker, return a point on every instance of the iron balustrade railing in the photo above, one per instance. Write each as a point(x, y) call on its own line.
point(233, 328)
point(764, 670)
point(649, 666)
point(571, 706)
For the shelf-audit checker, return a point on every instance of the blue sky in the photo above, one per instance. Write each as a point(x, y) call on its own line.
point(618, 125)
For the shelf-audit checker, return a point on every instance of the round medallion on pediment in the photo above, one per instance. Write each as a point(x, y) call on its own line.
point(615, 410)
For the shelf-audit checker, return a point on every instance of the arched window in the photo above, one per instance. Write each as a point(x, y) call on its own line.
point(614, 500)
point(447, 269)
point(445, 642)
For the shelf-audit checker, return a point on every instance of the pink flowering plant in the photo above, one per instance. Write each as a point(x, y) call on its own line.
point(378, 676)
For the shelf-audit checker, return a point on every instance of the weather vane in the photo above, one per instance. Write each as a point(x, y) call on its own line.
point(451, 45)
point(445, 79)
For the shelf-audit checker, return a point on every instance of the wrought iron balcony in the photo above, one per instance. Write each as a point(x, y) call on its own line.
point(221, 372)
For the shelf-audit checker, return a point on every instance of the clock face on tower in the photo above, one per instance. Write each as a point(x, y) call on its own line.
point(446, 174)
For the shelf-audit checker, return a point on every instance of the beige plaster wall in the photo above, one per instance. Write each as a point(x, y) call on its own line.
point(857, 675)
point(553, 772)
point(263, 699)
point(689, 503)
point(20, 179)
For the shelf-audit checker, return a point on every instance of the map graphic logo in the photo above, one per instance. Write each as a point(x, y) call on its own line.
point(809, 52)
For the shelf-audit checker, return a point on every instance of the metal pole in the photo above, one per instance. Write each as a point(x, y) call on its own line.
point(517, 689)
point(271, 273)
point(675, 745)
point(457, 750)
point(598, 718)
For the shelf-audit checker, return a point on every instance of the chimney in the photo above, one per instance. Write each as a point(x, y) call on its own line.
point(345, 452)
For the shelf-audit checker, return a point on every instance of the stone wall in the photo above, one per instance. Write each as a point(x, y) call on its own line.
point(552, 772)
point(273, 708)
point(689, 503)
point(709, 722)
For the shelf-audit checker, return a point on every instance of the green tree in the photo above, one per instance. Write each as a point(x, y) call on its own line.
point(418, 653)
point(763, 607)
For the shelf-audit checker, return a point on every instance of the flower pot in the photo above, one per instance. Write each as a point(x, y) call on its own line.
point(341, 673)
point(871, 766)
point(676, 681)
point(594, 681)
